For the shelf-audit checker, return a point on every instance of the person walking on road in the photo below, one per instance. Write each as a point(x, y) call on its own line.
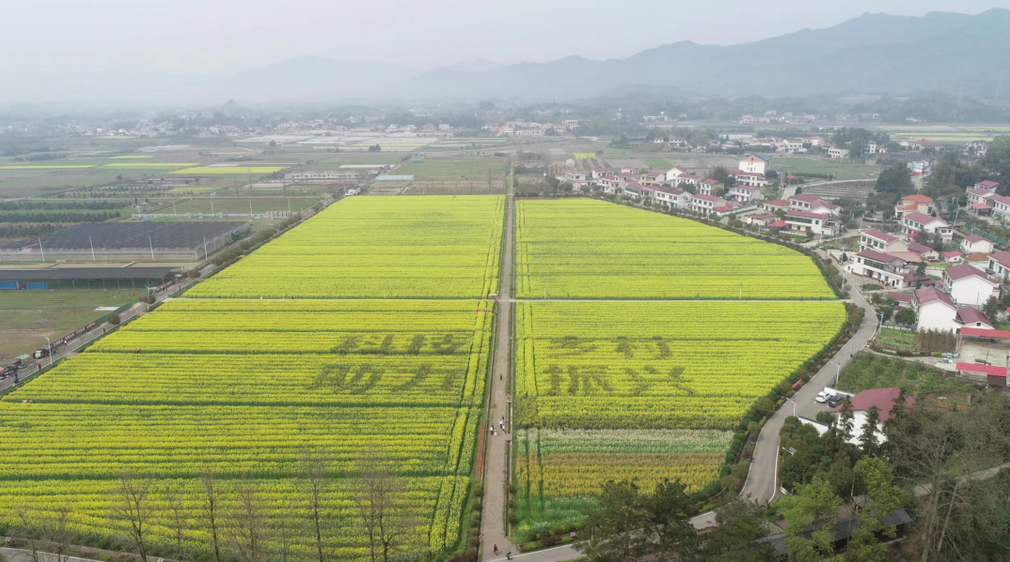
point(508, 555)
point(496, 550)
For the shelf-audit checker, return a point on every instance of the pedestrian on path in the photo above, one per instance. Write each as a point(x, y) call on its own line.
point(508, 555)
point(496, 550)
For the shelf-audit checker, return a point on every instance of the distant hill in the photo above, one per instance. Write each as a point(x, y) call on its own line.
point(870, 54)
point(315, 79)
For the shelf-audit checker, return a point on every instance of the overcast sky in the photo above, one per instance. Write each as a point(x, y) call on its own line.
point(47, 37)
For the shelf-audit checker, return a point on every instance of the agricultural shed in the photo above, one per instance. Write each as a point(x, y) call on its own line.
point(994, 375)
point(84, 277)
point(128, 241)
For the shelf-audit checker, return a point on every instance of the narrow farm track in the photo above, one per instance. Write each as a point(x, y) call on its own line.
point(496, 469)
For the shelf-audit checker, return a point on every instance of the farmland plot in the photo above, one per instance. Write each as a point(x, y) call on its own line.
point(591, 249)
point(249, 390)
point(643, 391)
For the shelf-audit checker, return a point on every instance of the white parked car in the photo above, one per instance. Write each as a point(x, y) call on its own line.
point(823, 396)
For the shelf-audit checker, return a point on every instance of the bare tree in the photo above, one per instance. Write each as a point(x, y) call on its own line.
point(248, 523)
point(56, 530)
point(135, 509)
point(175, 518)
point(314, 466)
point(212, 506)
point(382, 515)
point(283, 528)
point(29, 518)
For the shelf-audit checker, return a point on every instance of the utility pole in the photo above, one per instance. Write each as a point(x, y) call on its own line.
point(250, 207)
point(50, 345)
point(205, 254)
point(92, 249)
point(151, 242)
point(41, 250)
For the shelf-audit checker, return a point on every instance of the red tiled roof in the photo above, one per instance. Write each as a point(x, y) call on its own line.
point(982, 369)
point(964, 270)
point(974, 238)
point(920, 218)
point(877, 256)
point(706, 197)
point(777, 203)
point(882, 398)
point(880, 235)
point(712, 182)
point(900, 297)
point(778, 224)
point(977, 257)
point(805, 197)
point(980, 206)
point(918, 198)
point(951, 254)
point(969, 315)
point(723, 208)
point(927, 295)
point(806, 215)
point(985, 333)
point(987, 183)
point(1002, 257)
point(981, 192)
point(919, 248)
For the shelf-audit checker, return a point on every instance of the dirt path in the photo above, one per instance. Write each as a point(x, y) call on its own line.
point(496, 468)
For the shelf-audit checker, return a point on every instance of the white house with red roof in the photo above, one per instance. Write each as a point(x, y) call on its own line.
point(913, 223)
point(674, 197)
point(652, 178)
point(916, 203)
point(968, 285)
point(775, 205)
point(883, 399)
point(870, 239)
point(818, 223)
point(987, 185)
point(999, 265)
point(749, 178)
point(975, 244)
point(935, 310)
point(746, 193)
point(969, 317)
point(889, 270)
point(1000, 206)
point(706, 204)
point(762, 219)
point(673, 173)
point(812, 204)
point(600, 172)
point(710, 186)
point(979, 195)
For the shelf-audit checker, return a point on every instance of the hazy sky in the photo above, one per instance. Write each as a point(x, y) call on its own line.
point(47, 37)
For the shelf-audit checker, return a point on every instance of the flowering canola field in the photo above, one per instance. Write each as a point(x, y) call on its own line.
point(582, 248)
point(402, 247)
point(247, 387)
point(615, 390)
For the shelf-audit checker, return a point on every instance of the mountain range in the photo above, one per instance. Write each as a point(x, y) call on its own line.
point(870, 54)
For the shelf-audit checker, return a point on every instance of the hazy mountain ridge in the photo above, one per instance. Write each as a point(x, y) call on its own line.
point(870, 54)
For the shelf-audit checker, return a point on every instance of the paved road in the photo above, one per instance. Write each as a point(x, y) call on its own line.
point(762, 480)
point(70, 349)
point(496, 466)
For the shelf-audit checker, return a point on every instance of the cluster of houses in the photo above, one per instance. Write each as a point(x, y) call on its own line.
point(800, 213)
point(970, 275)
point(678, 188)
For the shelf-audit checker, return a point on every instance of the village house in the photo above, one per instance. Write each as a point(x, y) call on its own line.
point(711, 186)
point(935, 310)
point(973, 243)
point(674, 197)
point(987, 185)
point(967, 285)
point(1000, 206)
point(881, 241)
point(775, 205)
point(889, 270)
point(652, 178)
point(913, 223)
point(763, 219)
point(914, 204)
point(746, 194)
point(674, 173)
point(883, 399)
point(706, 204)
point(838, 153)
point(817, 223)
point(999, 265)
point(969, 317)
point(812, 204)
point(754, 163)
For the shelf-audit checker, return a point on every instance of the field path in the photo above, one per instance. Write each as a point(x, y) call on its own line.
point(496, 467)
point(761, 485)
